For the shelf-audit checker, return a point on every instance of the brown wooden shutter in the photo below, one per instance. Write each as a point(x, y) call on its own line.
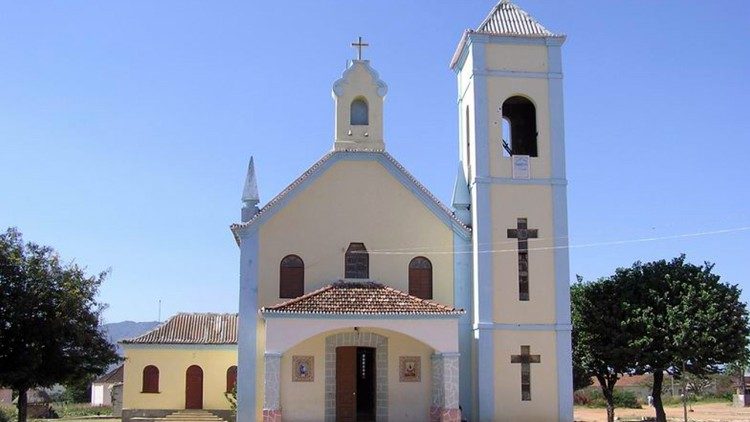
point(420, 278)
point(291, 277)
point(150, 379)
point(231, 378)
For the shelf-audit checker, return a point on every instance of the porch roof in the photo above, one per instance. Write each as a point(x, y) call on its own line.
point(360, 298)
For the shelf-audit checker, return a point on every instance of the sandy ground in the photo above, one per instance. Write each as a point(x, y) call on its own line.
point(713, 412)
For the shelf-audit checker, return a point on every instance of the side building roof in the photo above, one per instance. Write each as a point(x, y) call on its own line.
point(192, 328)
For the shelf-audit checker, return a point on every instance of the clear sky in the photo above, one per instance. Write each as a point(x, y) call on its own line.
point(126, 127)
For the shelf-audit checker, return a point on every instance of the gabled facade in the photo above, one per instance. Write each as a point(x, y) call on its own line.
point(334, 268)
point(188, 362)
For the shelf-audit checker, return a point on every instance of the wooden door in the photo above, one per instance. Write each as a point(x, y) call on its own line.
point(194, 388)
point(346, 384)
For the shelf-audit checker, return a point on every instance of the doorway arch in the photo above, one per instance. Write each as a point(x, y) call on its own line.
point(194, 387)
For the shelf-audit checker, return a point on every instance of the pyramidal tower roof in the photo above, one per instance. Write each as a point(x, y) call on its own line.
point(506, 18)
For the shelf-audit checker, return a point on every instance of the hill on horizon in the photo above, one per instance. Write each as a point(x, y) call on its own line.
point(117, 331)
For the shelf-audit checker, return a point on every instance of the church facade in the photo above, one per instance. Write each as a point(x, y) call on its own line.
point(364, 298)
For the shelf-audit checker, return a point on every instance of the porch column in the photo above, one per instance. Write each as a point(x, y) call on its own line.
point(272, 388)
point(445, 389)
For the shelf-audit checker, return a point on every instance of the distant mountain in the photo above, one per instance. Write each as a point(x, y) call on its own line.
point(117, 331)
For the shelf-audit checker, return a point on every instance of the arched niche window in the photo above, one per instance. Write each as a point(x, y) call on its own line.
point(520, 114)
point(356, 261)
point(231, 378)
point(150, 379)
point(468, 143)
point(358, 113)
point(420, 278)
point(291, 277)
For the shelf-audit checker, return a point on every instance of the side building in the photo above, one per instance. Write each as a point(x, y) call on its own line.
point(187, 363)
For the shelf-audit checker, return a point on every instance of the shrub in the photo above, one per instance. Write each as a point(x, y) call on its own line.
point(8, 414)
point(622, 399)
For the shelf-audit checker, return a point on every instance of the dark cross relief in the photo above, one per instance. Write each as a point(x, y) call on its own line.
point(525, 359)
point(523, 234)
point(358, 45)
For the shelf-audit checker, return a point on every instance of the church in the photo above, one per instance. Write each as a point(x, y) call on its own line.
point(365, 298)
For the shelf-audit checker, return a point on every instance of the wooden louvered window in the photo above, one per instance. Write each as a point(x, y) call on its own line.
point(420, 278)
point(231, 378)
point(357, 261)
point(150, 379)
point(291, 277)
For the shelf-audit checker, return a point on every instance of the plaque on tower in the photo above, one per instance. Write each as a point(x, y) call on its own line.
point(521, 166)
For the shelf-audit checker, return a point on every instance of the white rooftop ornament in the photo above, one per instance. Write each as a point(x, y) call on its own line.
point(462, 197)
point(250, 192)
point(250, 198)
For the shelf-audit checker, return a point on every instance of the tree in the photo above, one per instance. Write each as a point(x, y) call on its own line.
point(682, 319)
point(601, 347)
point(49, 317)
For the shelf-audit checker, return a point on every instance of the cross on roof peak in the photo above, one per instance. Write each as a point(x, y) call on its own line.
point(358, 45)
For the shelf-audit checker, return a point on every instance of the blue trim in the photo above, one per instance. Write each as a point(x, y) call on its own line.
point(511, 181)
point(520, 74)
point(437, 210)
point(173, 346)
point(482, 228)
point(462, 263)
point(247, 329)
point(560, 234)
point(517, 40)
point(522, 327)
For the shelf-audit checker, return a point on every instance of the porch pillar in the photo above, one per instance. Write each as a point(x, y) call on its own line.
point(445, 389)
point(272, 388)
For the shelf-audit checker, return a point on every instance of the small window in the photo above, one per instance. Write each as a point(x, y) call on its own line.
point(359, 113)
point(291, 277)
point(420, 278)
point(521, 114)
point(231, 378)
point(356, 261)
point(150, 379)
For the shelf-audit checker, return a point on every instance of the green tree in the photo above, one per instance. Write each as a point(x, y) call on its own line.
point(682, 318)
point(601, 347)
point(50, 320)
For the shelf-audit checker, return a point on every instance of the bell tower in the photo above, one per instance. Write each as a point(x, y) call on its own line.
point(358, 96)
point(512, 148)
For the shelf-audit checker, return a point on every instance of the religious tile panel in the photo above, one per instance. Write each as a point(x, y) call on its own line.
point(303, 368)
point(410, 368)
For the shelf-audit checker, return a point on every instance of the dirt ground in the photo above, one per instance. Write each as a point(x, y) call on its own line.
point(713, 412)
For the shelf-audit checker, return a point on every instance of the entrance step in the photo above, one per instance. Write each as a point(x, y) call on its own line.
point(191, 415)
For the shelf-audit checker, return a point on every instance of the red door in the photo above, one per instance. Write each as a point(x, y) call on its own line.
point(346, 384)
point(194, 388)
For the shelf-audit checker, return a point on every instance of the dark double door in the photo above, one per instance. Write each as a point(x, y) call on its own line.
point(355, 384)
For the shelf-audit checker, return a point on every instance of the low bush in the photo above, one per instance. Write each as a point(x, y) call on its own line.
point(8, 414)
point(67, 410)
point(594, 398)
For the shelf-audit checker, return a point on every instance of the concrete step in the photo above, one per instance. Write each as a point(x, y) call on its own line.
point(191, 415)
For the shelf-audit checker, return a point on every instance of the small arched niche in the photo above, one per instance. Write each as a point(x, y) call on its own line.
point(519, 125)
point(359, 112)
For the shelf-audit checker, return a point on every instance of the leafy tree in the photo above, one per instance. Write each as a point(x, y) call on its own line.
point(601, 347)
point(49, 320)
point(681, 319)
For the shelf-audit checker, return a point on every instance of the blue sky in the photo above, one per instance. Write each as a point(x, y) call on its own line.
point(125, 128)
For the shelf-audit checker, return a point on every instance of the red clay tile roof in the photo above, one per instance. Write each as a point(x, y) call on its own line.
point(111, 377)
point(360, 298)
point(185, 328)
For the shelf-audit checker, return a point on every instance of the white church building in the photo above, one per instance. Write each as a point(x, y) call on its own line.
point(468, 314)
